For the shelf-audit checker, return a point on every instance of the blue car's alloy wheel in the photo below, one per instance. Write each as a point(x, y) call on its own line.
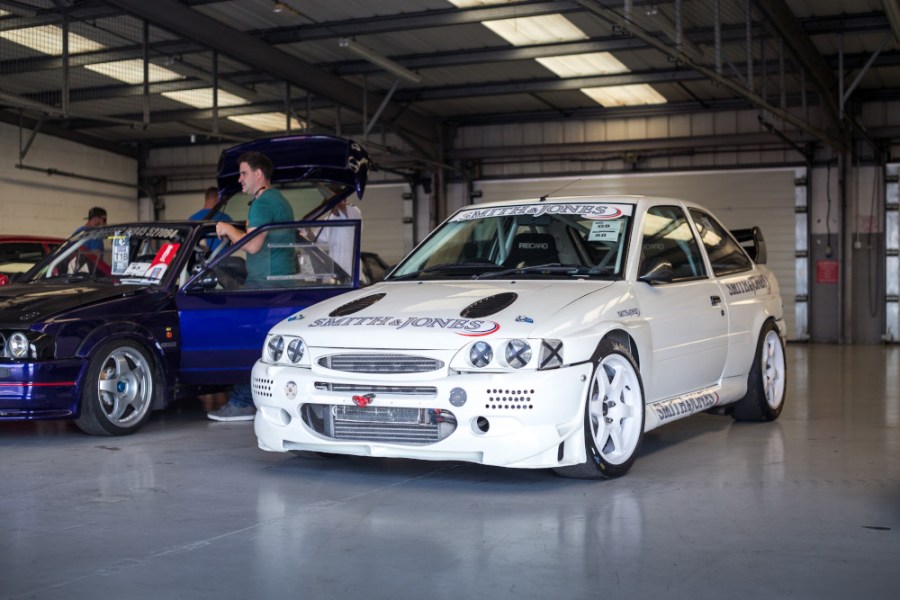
point(119, 391)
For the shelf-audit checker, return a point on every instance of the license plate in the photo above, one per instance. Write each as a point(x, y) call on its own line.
point(380, 414)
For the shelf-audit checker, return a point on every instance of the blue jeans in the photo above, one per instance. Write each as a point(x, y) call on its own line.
point(241, 395)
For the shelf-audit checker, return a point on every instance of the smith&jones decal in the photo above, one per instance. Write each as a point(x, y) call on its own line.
point(467, 327)
point(685, 405)
point(748, 286)
point(586, 210)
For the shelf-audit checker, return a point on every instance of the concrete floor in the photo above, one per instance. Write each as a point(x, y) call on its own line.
point(805, 507)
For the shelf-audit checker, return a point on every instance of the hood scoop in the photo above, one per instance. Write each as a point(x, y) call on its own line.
point(355, 306)
point(488, 306)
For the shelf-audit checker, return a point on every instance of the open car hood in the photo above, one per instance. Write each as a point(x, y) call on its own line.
point(318, 158)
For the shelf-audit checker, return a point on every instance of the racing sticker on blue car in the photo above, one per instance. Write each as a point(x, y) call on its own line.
point(467, 327)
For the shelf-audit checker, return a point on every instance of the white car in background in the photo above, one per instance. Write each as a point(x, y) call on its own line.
point(543, 333)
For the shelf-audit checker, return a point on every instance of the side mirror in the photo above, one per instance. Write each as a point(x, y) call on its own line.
point(658, 271)
point(207, 282)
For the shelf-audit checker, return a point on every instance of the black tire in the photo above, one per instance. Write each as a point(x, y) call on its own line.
point(118, 390)
point(766, 383)
point(613, 415)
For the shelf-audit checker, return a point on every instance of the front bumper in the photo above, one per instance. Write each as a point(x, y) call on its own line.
point(40, 390)
point(528, 419)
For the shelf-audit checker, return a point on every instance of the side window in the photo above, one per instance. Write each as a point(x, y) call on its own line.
point(667, 238)
point(292, 257)
point(725, 254)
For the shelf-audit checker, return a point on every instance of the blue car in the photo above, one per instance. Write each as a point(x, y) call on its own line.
point(106, 337)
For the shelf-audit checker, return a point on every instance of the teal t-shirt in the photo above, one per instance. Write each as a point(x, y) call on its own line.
point(271, 207)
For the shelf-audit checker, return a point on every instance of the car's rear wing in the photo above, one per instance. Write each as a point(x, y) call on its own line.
point(340, 163)
point(752, 241)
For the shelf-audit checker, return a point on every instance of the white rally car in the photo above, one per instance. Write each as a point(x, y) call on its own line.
point(544, 333)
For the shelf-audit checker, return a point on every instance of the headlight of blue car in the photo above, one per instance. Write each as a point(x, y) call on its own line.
point(509, 355)
point(26, 345)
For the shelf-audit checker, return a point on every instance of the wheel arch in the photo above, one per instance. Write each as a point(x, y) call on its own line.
point(624, 338)
point(136, 333)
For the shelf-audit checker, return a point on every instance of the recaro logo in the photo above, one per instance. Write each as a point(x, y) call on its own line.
point(534, 246)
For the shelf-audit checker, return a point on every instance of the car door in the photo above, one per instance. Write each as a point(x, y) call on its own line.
point(682, 305)
point(225, 311)
point(739, 282)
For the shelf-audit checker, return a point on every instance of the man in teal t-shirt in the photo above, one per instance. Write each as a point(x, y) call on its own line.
point(267, 205)
point(265, 264)
point(271, 207)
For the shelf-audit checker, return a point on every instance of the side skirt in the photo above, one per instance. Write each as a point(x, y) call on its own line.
point(671, 409)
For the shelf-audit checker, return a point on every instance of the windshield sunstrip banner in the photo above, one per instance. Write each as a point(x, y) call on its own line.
point(581, 209)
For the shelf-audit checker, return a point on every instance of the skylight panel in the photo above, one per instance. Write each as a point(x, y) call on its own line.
point(203, 98)
point(269, 122)
point(584, 65)
point(550, 29)
point(625, 95)
point(132, 71)
point(526, 31)
point(48, 39)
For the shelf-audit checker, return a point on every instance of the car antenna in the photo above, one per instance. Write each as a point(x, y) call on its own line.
point(545, 196)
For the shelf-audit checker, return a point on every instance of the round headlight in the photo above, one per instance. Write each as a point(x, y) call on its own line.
point(481, 354)
point(518, 353)
point(17, 345)
point(295, 350)
point(275, 347)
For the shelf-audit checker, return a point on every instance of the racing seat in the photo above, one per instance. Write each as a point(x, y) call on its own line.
point(531, 249)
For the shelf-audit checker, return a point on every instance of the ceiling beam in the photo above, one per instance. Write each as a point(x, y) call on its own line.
point(829, 136)
point(176, 17)
point(779, 16)
point(13, 117)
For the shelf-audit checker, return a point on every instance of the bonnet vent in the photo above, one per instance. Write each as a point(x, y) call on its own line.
point(355, 306)
point(488, 306)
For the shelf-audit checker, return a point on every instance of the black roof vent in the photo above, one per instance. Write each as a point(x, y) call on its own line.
point(488, 306)
point(355, 306)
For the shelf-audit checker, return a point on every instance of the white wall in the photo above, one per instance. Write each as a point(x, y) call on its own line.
point(41, 204)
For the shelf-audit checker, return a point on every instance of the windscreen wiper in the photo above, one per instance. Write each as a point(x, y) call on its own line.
point(445, 267)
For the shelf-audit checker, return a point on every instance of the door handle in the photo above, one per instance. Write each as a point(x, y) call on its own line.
point(715, 300)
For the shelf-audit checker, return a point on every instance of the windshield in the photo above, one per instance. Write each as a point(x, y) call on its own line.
point(544, 239)
point(118, 254)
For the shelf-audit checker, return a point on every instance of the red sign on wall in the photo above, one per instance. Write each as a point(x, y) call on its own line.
point(826, 271)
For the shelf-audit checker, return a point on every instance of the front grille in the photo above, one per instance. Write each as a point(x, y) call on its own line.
point(411, 426)
point(263, 387)
point(380, 363)
point(397, 390)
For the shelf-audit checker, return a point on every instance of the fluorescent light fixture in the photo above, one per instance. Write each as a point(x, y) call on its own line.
point(378, 60)
point(526, 31)
point(584, 65)
point(203, 98)
point(269, 122)
point(48, 39)
point(132, 71)
point(625, 95)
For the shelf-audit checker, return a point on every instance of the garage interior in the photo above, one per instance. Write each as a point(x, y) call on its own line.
point(779, 113)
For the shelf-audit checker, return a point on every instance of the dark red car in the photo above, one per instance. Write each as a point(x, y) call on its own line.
point(18, 253)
